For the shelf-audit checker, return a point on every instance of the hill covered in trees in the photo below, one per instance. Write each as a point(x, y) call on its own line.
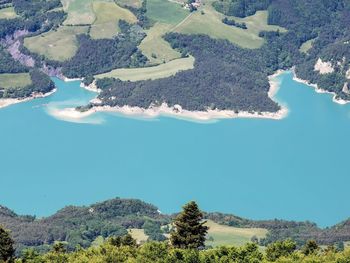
point(84, 225)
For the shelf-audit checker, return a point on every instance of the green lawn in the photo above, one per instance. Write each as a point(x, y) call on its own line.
point(154, 44)
point(210, 24)
point(17, 80)
point(79, 12)
point(165, 11)
point(108, 15)
point(227, 235)
point(57, 45)
point(155, 72)
point(132, 3)
point(138, 234)
point(306, 46)
point(7, 13)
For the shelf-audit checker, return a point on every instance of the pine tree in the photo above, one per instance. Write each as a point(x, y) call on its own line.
point(6, 246)
point(190, 230)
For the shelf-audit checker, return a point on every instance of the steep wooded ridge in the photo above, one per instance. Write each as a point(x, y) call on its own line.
point(82, 225)
point(225, 75)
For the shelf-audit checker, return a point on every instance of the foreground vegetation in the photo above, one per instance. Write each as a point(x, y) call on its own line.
point(187, 244)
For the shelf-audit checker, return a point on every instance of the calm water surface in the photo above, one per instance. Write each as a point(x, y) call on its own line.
point(296, 168)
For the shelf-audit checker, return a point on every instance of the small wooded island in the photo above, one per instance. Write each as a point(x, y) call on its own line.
point(102, 42)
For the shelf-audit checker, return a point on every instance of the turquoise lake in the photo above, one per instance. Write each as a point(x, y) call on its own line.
point(296, 168)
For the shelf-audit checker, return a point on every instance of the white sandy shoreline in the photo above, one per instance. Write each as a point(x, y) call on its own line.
point(319, 90)
point(8, 102)
point(177, 111)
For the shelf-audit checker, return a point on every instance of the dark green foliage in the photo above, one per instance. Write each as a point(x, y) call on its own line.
point(125, 240)
point(224, 77)
point(29, 9)
point(310, 247)
point(153, 231)
point(232, 22)
point(99, 56)
point(8, 64)
point(6, 246)
point(280, 249)
point(190, 230)
point(240, 8)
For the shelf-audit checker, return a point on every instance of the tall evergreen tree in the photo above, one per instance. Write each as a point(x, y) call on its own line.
point(190, 229)
point(7, 250)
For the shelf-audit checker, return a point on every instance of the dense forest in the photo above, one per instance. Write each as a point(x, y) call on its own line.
point(224, 77)
point(82, 225)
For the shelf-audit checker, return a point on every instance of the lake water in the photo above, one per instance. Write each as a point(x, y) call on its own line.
point(296, 168)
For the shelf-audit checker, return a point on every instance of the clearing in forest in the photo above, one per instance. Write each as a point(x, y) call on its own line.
point(108, 15)
point(206, 20)
point(59, 45)
point(155, 72)
point(16, 80)
point(155, 48)
point(220, 235)
point(138, 234)
point(7, 13)
point(306, 46)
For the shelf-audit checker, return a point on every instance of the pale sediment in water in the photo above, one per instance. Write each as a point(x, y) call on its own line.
point(7, 102)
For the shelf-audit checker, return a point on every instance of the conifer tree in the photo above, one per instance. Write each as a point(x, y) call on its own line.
point(190, 230)
point(7, 250)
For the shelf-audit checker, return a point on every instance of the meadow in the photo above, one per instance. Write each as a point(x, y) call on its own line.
point(208, 21)
point(156, 72)
point(166, 12)
point(155, 48)
point(138, 234)
point(132, 3)
point(220, 235)
point(60, 44)
point(7, 13)
point(79, 12)
point(17, 80)
point(306, 46)
point(108, 15)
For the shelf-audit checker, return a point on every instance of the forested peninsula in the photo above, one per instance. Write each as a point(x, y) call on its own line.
point(231, 64)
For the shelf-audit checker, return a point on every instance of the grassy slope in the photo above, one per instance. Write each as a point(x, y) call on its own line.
point(107, 16)
point(306, 46)
point(165, 12)
point(138, 234)
point(57, 45)
point(155, 72)
point(226, 235)
point(132, 3)
point(79, 12)
point(155, 44)
point(210, 24)
point(7, 13)
point(17, 80)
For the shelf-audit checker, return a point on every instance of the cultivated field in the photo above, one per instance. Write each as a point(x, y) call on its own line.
point(165, 11)
point(17, 80)
point(208, 21)
point(108, 15)
point(138, 234)
point(57, 45)
point(155, 48)
point(155, 72)
point(79, 12)
point(7, 13)
point(227, 235)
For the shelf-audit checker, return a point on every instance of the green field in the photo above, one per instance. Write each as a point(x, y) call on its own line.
point(165, 12)
point(17, 80)
point(155, 72)
point(154, 44)
point(79, 12)
point(107, 16)
point(306, 46)
point(57, 45)
point(7, 13)
point(132, 3)
point(138, 234)
point(227, 235)
point(210, 24)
